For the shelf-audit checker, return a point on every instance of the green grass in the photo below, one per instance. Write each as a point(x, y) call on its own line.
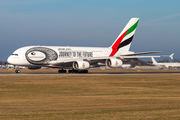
point(129, 97)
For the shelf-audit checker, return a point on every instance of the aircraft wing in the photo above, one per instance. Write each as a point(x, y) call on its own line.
point(94, 60)
point(60, 62)
point(131, 57)
point(68, 62)
point(140, 53)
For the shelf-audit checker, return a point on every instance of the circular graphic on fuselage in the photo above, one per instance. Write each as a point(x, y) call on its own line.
point(40, 55)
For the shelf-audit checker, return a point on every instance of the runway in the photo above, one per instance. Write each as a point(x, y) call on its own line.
point(54, 72)
point(89, 74)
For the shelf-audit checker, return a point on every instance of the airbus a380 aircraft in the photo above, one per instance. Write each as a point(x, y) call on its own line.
point(79, 59)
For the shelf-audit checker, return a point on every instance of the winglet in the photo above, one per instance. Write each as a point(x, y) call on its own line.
point(171, 56)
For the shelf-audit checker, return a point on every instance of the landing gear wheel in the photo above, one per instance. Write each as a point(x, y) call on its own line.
point(86, 71)
point(62, 71)
point(77, 71)
point(70, 71)
point(17, 71)
point(83, 71)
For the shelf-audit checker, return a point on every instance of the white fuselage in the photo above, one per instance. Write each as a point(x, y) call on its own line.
point(19, 57)
point(167, 64)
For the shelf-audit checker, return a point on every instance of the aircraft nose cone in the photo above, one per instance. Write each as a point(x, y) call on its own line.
point(9, 60)
point(12, 60)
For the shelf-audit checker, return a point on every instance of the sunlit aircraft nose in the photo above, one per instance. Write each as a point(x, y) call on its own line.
point(12, 60)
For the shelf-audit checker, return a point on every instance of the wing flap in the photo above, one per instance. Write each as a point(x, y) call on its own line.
point(131, 57)
point(140, 53)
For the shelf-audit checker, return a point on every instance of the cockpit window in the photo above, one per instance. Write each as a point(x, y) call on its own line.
point(15, 54)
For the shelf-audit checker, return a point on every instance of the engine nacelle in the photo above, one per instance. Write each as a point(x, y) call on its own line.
point(114, 63)
point(80, 65)
point(34, 67)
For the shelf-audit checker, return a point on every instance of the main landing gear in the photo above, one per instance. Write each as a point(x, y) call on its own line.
point(62, 71)
point(73, 71)
point(17, 71)
point(77, 71)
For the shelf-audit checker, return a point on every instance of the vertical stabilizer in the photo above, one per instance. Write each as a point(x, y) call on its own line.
point(154, 61)
point(124, 39)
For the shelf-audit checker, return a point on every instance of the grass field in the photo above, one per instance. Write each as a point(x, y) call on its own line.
point(87, 97)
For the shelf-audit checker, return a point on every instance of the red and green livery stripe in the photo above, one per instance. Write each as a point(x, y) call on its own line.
point(118, 44)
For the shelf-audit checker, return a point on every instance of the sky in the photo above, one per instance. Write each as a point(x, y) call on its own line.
point(91, 23)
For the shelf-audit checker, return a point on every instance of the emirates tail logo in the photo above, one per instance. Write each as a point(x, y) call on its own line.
point(121, 42)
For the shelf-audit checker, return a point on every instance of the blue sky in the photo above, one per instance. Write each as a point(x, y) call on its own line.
point(89, 23)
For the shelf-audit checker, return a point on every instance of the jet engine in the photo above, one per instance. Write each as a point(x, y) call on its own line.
point(113, 63)
point(34, 67)
point(80, 65)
